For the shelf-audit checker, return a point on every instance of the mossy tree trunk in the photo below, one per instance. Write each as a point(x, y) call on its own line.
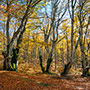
point(14, 59)
point(48, 64)
point(49, 61)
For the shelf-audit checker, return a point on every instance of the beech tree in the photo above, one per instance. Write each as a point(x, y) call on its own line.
point(51, 31)
point(82, 16)
point(71, 7)
point(30, 4)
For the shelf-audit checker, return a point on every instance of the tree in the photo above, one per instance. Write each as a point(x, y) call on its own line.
point(52, 30)
point(81, 16)
point(30, 4)
point(71, 4)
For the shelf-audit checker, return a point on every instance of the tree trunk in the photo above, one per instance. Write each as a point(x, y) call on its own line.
point(55, 60)
point(68, 57)
point(85, 67)
point(41, 62)
point(68, 65)
point(34, 55)
point(14, 59)
point(66, 69)
point(6, 65)
point(50, 59)
point(48, 64)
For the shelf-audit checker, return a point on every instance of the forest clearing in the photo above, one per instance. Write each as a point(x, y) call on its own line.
point(44, 44)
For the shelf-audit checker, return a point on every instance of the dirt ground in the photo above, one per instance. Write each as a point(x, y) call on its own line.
point(19, 81)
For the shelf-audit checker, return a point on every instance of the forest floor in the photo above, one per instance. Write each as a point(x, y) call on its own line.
point(20, 81)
